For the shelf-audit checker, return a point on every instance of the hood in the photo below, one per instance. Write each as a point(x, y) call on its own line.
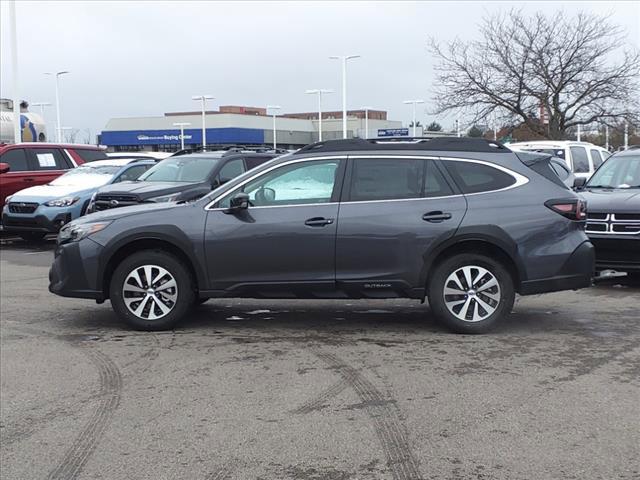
point(42, 193)
point(612, 200)
point(147, 189)
point(116, 213)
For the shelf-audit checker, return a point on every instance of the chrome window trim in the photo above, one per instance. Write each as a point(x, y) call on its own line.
point(519, 178)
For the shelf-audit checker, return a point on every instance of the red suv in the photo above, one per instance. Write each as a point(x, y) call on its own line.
point(28, 164)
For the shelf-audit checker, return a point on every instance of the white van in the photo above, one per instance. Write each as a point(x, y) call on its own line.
point(581, 157)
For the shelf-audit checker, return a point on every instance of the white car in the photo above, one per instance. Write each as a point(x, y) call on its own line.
point(140, 154)
point(582, 158)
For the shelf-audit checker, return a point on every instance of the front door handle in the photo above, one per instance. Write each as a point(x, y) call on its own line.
point(29, 179)
point(436, 217)
point(318, 222)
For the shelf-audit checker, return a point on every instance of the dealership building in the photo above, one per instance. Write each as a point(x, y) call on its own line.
point(242, 125)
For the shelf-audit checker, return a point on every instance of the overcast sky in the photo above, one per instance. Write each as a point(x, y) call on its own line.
point(149, 57)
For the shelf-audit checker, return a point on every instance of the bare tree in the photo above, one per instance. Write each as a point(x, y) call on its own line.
point(71, 135)
point(87, 137)
point(550, 73)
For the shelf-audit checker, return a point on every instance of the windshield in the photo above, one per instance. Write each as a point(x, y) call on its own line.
point(180, 169)
point(617, 172)
point(86, 175)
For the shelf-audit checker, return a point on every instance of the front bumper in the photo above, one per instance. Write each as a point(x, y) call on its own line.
point(576, 272)
point(74, 270)
point(36, 222)
point(617, 252)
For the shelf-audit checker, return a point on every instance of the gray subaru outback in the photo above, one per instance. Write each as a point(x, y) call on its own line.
point(465, 223)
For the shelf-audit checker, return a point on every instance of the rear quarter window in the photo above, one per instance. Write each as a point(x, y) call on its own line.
point(91, 155)
point(474, 177)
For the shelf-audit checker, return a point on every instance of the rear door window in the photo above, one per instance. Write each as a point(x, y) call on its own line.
point(231, 170)
point(17, 160)
point(579, 159)
point(387, 179)
point(50, 159)
point(474, 177)
point(253, 162)
point(596, 158)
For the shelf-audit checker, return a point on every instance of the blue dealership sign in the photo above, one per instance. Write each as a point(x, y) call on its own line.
point(393, 132)
point(192, 136)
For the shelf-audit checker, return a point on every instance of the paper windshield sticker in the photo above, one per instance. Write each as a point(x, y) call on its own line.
point(46, 159)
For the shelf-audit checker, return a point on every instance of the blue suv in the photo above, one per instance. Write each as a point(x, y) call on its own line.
point(36, 211)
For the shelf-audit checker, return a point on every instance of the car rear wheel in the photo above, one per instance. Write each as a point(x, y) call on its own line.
point(151, 290)
point(471, 293)
point(32, 237)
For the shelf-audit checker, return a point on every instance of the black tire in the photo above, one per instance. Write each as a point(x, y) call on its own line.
point(179, 272)
point(33, 237)
point(436, 294)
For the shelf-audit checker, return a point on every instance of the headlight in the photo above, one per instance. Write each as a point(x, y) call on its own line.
point(7, 199)
point(62, 202)
point(165, 198)
point(75, 232)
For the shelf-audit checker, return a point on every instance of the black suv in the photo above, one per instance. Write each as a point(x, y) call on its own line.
point(464, 222)
point(179, 178)
point(613, 225)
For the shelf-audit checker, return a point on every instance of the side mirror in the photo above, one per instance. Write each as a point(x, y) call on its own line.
point(4, 167)
point(579, 183)
point(240, 201)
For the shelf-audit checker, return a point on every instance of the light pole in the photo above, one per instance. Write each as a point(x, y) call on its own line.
point(626, 135)
point(606, 137)
point(366, 121)
point(17, 136)
point(181, 125)
point(203, 99)
point(57, 75)
point(413, 102)
point(275, 109)
point(458, 127)
point(319, 92)
point(344, 59)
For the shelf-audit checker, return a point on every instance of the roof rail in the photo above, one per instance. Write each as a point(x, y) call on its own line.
point(453, 144)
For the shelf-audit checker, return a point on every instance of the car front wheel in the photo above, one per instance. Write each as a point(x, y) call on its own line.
point(471, 293)
point(151, 290)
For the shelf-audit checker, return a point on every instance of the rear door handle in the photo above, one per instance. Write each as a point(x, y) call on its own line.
point(436, 217)
point(318, 222)
point(29, 179)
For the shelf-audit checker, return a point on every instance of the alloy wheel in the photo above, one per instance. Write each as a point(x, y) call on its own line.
point(150, 292)
point(471, 293)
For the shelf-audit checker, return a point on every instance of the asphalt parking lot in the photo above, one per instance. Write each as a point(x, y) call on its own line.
point(318, 390)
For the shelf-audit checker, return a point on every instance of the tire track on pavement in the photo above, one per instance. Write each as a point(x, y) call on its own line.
point(319, 401)
point(86, 442)
point(386, 419)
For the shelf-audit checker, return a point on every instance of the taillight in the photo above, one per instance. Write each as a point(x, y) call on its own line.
point(572, 208)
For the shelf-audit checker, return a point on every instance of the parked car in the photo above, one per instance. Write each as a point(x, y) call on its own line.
point(179, 178)
point(613, 220)
point(462, 222)
point(582, 158)
point(25, 165)
point(36, 211)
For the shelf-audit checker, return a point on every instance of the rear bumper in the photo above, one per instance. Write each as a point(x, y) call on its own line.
point(617, 252)
point(577, 272)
